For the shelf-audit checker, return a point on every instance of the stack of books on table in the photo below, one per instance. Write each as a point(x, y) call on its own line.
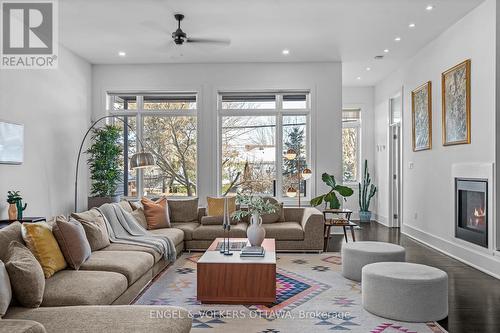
point(252, 251)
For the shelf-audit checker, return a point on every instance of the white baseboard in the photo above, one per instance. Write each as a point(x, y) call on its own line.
point(381, 219)
point(485, 262)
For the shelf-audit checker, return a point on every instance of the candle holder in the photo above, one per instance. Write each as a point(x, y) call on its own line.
point(226, 224)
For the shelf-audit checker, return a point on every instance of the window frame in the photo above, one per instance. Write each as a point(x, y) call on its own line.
point(278, 112)
point(356, 124)
point(140, 113)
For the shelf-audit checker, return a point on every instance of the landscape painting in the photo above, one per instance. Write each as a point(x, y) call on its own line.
point(456, 104)
point(421, 103)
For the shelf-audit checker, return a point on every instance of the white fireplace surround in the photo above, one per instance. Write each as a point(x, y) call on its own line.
point(479, 171)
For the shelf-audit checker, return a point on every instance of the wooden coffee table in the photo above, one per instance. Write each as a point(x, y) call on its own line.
point(237, 280)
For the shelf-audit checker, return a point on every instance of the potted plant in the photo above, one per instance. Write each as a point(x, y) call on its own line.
point(16, 206)
point(255, 206)
point(104, 163)
point(331, 197)
point(366, 192)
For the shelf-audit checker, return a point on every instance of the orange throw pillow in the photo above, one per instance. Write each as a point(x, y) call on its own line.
point(156, 213)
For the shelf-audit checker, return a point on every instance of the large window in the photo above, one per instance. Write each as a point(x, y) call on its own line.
point(166, 124)
point(351, 139)
point(256, 129)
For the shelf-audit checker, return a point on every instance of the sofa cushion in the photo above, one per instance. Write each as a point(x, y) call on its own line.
point(130, 247)
point(140, 217)
point(26, 275)
point(132, 264)
point(21, 326)
point(69, 287)
point(185, 210)
point(174, 234)
point(216, 220)
point(10, 233)
point(5, 289)
point(126, 206)
point(71, 238)
point(42, 243)
point(187, 227)
point(109, 319)
point(156, 213)
point(277, 216)
point(284, 231)
point(95, 228)
point(210, 232)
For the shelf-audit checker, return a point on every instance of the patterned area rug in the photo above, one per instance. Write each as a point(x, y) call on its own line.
point(311, 295)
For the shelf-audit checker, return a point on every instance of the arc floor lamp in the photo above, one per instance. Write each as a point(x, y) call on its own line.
point(139, 160)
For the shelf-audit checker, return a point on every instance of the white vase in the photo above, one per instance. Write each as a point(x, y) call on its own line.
point(255, 232)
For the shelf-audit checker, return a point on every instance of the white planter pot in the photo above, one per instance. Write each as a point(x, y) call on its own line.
point(255, 232)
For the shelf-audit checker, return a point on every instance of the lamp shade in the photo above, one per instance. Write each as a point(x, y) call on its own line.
point(290, 154)
point(306, 174)
point(291, 192)
point(142, 160)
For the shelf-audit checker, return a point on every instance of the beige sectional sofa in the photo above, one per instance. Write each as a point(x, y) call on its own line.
point(79, 301)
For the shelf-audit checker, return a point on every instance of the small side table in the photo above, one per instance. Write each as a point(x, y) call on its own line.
point(4, 223)
point(338, 222)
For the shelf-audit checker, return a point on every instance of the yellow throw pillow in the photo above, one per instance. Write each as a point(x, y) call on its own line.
point(42, 243)
point(216, 206)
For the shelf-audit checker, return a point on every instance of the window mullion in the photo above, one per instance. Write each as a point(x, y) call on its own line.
point(139, 133)
point(279, 146)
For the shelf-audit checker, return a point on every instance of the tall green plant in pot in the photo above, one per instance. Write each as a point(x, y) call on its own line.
point(366, 192)
point(104, 163)
point(331, 198)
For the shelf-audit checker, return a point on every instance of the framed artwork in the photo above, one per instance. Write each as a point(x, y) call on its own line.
point(11, 143)
point(421, 113)
point(456, 104)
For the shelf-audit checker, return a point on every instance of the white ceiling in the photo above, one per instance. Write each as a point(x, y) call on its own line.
point(351, 31)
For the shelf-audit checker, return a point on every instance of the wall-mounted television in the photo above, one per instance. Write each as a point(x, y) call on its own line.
point(11, 143)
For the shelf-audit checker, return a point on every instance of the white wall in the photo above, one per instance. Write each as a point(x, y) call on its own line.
point(54, 106)
point(428, 189)
point(323, 79)
point(362, 97)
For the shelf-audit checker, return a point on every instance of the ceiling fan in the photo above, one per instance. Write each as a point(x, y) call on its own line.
point(180, 37)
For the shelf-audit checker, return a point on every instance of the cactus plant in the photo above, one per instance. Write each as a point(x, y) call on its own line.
point(13, 197)
point(366, 190)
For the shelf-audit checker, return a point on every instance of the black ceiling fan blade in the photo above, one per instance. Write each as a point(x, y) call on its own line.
point(209, 40)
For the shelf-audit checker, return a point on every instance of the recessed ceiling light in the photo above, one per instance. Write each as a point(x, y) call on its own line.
point(429, 7)
point(122, 54)
point(368, 69)
point(358, 78)
point(386, 51)
point(397, 39)
point(286, 52)
point(411, 25)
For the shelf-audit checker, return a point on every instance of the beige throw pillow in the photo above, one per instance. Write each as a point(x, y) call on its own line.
point(70, 236)
point(139, 216)
point(10, 233)
point(95, 228)
point(26, 275)
point(5, 290)
point(277, 216)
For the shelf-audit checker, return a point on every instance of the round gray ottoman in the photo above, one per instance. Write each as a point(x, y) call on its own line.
point(405, 291)
point(355, 255)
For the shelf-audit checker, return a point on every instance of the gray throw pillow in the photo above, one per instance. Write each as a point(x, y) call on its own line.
point(139, 216)
point(5, 290)
point(26, 275)
point(185, 210)
point(10, 233)
point(95, 228)
point(70, 236)
point(277, 216)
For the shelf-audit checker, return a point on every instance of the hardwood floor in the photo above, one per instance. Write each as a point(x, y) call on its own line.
point(474, 297)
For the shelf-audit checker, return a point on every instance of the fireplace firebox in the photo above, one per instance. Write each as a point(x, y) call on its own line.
point(471, 210)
